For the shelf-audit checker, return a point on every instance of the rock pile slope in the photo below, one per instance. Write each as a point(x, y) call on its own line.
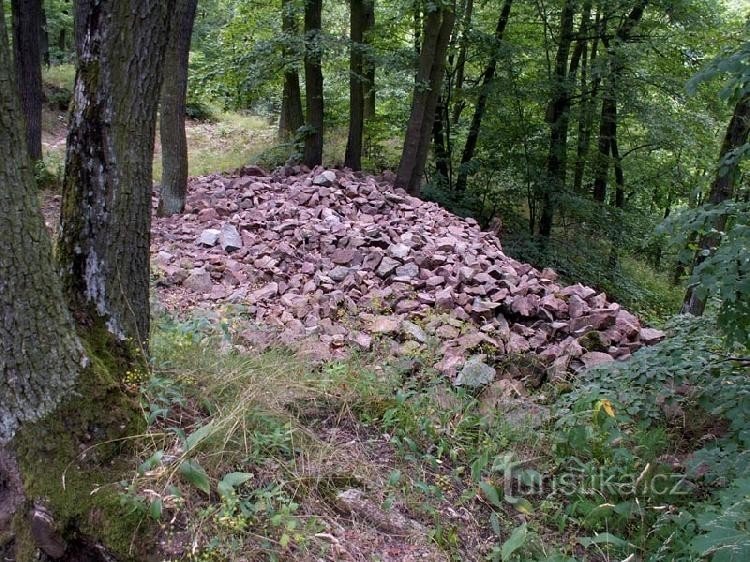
point(342, 257)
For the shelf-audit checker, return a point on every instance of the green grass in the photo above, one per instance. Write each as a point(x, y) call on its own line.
point(229, 141)
point(59, 76)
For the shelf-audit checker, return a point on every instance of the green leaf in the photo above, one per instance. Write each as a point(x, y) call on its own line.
point(491, 493)
point(151, 463)
point(522, 505)
point(230, 482)
point(394, 477)
point(194, 473)
point(192, 440)
point(155, 509)
point(517, 540)
point(603, 538)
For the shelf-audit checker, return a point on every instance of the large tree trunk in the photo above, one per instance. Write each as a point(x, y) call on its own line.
point(27, 30)
point(313, 154)
point(722, 189)
point(40, 356)
point(558, 117)
point(369, 62)
point(291, 118)
point(353, 158)
point(106, 208)
point(438, 26)
point(488, 77)
point(174, 150)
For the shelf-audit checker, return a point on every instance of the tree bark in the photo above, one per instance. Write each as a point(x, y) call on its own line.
point(722, 189)
point(438, 26)
point(369, 61)
point(313, 153)
point(40, 356)
point(27, 30)
point(106, 208)
point(463, 47)
point(488, 77)
point(558, 116)
point(440, 132)
point(291, 118)
point(174, 150)
point(353, 157)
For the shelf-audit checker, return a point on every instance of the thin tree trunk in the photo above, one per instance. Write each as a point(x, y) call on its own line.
point(27, 25)
point(40, 356)
point(488, 77)
point(442, 155)
point(722, 189)
point(369, 61)
point(558, 116)
point(44, 39)
point(589, 93)
point(608, 121)
point(438, 26)
point(353, 157)
point(106, 208)
point(174, 148)
point(460, 102)
point(291, 118)
point(313, 153)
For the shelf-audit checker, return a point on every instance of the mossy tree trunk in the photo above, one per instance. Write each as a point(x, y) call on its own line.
point(40, 356)
point(27, 35)
point(291, 118)
point(438, 26)
point(313, 154)
point(174, 150)
point(106, 210)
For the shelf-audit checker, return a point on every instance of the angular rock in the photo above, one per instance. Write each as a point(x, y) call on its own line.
point(230, 238)
point(199, 281)
point(475, 373)
point(209, 237)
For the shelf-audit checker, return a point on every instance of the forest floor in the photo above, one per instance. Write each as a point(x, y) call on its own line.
point(259, 451)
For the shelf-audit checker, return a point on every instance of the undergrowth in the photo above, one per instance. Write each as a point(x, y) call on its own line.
point(245, 454)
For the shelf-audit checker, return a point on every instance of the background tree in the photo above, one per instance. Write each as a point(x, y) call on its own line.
point(438, 26)
point(174, 148)
point(106, 208)
point(291, 117)
point(27, 32)
point(353, 157)
point(313, 153)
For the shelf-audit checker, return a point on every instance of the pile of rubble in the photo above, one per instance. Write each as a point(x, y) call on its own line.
point(342, 257)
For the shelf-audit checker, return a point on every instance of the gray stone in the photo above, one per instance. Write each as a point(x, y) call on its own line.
point(475, 373)
point(408, 270)
point(209, 237)
point(339, 273)
point(199, 281)
point(325, 179)
point(386, 267)
point(230, 238)
point(411, 329)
